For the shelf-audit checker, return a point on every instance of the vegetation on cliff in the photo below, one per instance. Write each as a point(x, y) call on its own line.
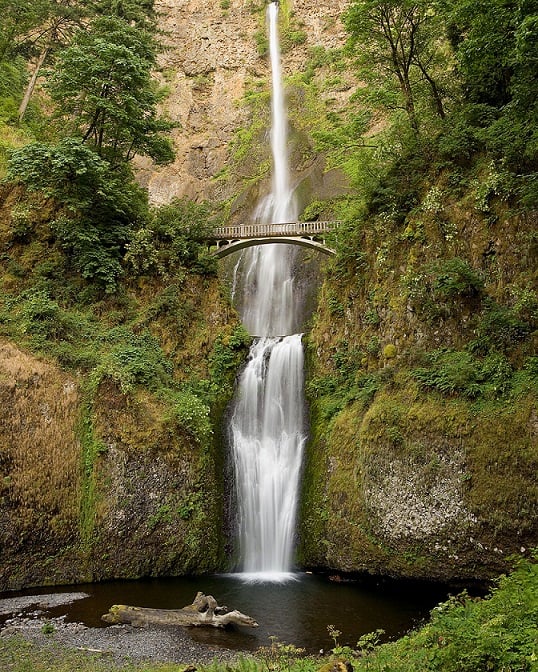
point(423, 350)
point(120, 302)
point(422, 355)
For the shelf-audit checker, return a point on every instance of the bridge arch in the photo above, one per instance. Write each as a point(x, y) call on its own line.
point(229, 239)
point(224, 248)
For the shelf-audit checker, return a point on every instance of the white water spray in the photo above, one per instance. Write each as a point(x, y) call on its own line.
point(267, 425)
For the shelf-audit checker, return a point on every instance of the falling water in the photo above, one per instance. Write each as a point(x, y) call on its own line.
point(267, 427)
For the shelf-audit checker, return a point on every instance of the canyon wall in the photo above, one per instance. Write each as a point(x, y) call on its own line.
point(214, 53)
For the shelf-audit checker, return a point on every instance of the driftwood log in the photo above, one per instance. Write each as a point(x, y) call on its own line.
point(203, 611)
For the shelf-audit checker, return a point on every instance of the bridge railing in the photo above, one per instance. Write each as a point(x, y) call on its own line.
point(273, 230)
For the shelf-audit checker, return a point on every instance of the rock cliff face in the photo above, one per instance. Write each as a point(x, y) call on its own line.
point(104, 484)
point(424, 446)
point(214, 51)
point(40, 466)
point(398, 479)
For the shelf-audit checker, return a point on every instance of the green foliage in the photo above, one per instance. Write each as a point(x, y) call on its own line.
point(136, 360)
point(168, 514)
point(460, 372)
point(499, 328)
point(140, 13)
point(440, 288)
point(35, 315)
point(336, 308)
point(396, 47)
point(373, 346)
point(92, 447)
point(94, 250)
point(493, 41)
point(291, 38)
point(330, 394)
point(262, 42)
point(18, 20)
point(226, 356)
point(465, 635)
point(47, 628)
point(192, 416)
point(175, 237)
point(285, 657)
point(12, 80)
point(104, 93)
point(69, 172)
point(100, 205)
point(454, 278)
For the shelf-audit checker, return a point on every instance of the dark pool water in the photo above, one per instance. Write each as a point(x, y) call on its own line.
point(296, 611)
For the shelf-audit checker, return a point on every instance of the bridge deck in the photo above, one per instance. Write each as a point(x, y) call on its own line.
point(273, 230)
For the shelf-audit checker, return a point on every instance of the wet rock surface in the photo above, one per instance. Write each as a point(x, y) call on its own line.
point(13, 605)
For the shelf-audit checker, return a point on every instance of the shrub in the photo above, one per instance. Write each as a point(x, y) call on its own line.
point(39, 314)
point(99, 205)
point(499, 328)
point(35, 314)
point(175, 237)
point(92, 249)
point(459, 372)
point(467, 635)
point(224, 357)
point(373, 346)
point(441, 287)
point(192, 415)
point(455, 278)
point(138, 360)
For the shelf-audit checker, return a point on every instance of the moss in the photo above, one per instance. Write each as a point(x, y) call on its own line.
point(144, 494)
point(417, 486)
point(389, 351)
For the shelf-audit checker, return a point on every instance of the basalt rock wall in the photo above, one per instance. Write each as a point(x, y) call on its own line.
point(213, 53)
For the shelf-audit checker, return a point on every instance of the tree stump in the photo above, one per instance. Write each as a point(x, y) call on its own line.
point(203, 611)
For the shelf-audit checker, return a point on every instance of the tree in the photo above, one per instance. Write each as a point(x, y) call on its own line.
point(18, 18)
point(496, 46)
point(58, 20)
point(105, 94)
point(397, 40)
point(35, 28)
point(140, 13)
point(97, 207)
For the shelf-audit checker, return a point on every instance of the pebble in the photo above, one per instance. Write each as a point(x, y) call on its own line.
point(120, 643)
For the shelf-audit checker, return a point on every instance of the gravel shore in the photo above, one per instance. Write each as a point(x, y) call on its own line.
point(120, 643)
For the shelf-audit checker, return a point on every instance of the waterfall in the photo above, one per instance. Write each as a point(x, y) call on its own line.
point(267, 423)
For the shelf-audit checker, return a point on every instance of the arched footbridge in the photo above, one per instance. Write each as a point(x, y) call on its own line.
point(228, 239)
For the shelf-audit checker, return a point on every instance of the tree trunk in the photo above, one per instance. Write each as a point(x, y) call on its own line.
point(31, 83)
point(435, 91)
point(203, 611)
